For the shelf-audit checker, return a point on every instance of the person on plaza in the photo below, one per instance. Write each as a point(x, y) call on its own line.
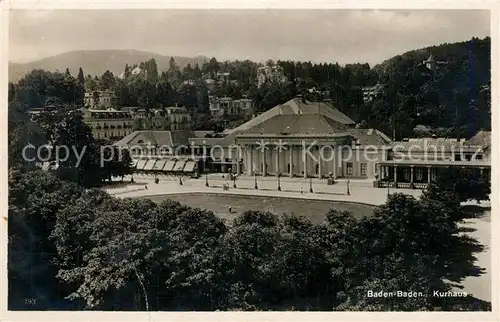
point(229, 209)
point(146, 187)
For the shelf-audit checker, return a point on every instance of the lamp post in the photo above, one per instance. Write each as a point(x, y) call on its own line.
point(310, 184)
point(206, 180)
point(348, 191)
point(255, 186)
point(279, 181)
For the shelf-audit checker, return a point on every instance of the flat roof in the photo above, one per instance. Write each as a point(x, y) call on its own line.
point(475, 163)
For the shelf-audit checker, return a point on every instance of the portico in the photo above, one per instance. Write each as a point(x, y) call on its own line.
point(419, 174)
point(292, 156)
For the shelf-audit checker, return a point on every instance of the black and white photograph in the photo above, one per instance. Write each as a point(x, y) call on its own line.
point(236, 160)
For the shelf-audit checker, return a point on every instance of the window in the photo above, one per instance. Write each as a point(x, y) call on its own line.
point(420, 174)
point(362, 169)
point(479, 157)
point(349, 168)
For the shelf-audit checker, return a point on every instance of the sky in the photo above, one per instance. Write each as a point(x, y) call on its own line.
point(343, 36)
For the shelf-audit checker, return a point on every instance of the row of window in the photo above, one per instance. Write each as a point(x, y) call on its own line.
point(350, 169)
point(112, 134)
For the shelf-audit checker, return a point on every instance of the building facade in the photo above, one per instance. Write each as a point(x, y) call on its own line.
point(108, 124)
point(300, 138)
point(371, 92)
point(160, 119)
point(270, 74)
point(99, 99)
point(415, 163)
point(227, 106)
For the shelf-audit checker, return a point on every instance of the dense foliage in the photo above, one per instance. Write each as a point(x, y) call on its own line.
point(89, 250)
point(46, 135)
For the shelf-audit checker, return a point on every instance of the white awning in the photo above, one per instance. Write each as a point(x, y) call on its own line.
point(159, 165)
point(189, 167)
point(179, 166)
point(149, 165)
point(169, 165)
point(141, 164)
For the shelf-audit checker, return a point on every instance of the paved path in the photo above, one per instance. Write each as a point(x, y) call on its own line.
point(360, 191)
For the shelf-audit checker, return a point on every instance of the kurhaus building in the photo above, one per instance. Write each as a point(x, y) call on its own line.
point(299, 138)
point(313, 139)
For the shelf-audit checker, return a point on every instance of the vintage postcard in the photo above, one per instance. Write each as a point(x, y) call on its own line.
point(176, 160)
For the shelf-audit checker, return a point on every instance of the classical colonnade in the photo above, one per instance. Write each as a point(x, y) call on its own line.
point(291, 161)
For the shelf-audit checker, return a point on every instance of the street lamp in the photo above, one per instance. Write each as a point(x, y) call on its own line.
point(279, 181)
point(206, 180)
point(255, 186)
point(348, 191)
point(310, 184)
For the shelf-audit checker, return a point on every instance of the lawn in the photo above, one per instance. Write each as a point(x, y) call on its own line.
point(313, 209)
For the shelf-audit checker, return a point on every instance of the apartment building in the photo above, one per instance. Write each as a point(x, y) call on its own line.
point(99, 99)
point(226, 106)
point(108, 124)
point(269, 74)
point(172, 118)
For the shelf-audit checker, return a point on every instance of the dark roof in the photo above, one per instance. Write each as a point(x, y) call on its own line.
point(203, 134)
point(296, 107)
point(482, 138)
point(430, 144)
point(370, 137)
point(129, 108)
point(160, 138)
point(302, 123)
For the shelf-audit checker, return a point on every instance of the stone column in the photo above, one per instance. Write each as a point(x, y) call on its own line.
point(277, 161)
point(304, 160)
point(481, 170)
point(334, 172)
point(396, 176)
point(319, 165)
point(290, 161)
point(263, 161)
point(428, 175)
point(411, 174)
point(238, 157)
point(250, 160)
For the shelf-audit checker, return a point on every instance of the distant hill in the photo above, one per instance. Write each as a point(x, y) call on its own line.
point(96, 62)
point(444, 52)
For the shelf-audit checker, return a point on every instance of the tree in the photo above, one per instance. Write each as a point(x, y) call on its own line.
point(66, 128)
point(11, 92)
point(36, 87)
point(151, 71)
point(107, 81)
point(203, 103)
point(35, 200)
point(90, 84)
point(81, 77)
point(462, 184)
point(22, 133)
